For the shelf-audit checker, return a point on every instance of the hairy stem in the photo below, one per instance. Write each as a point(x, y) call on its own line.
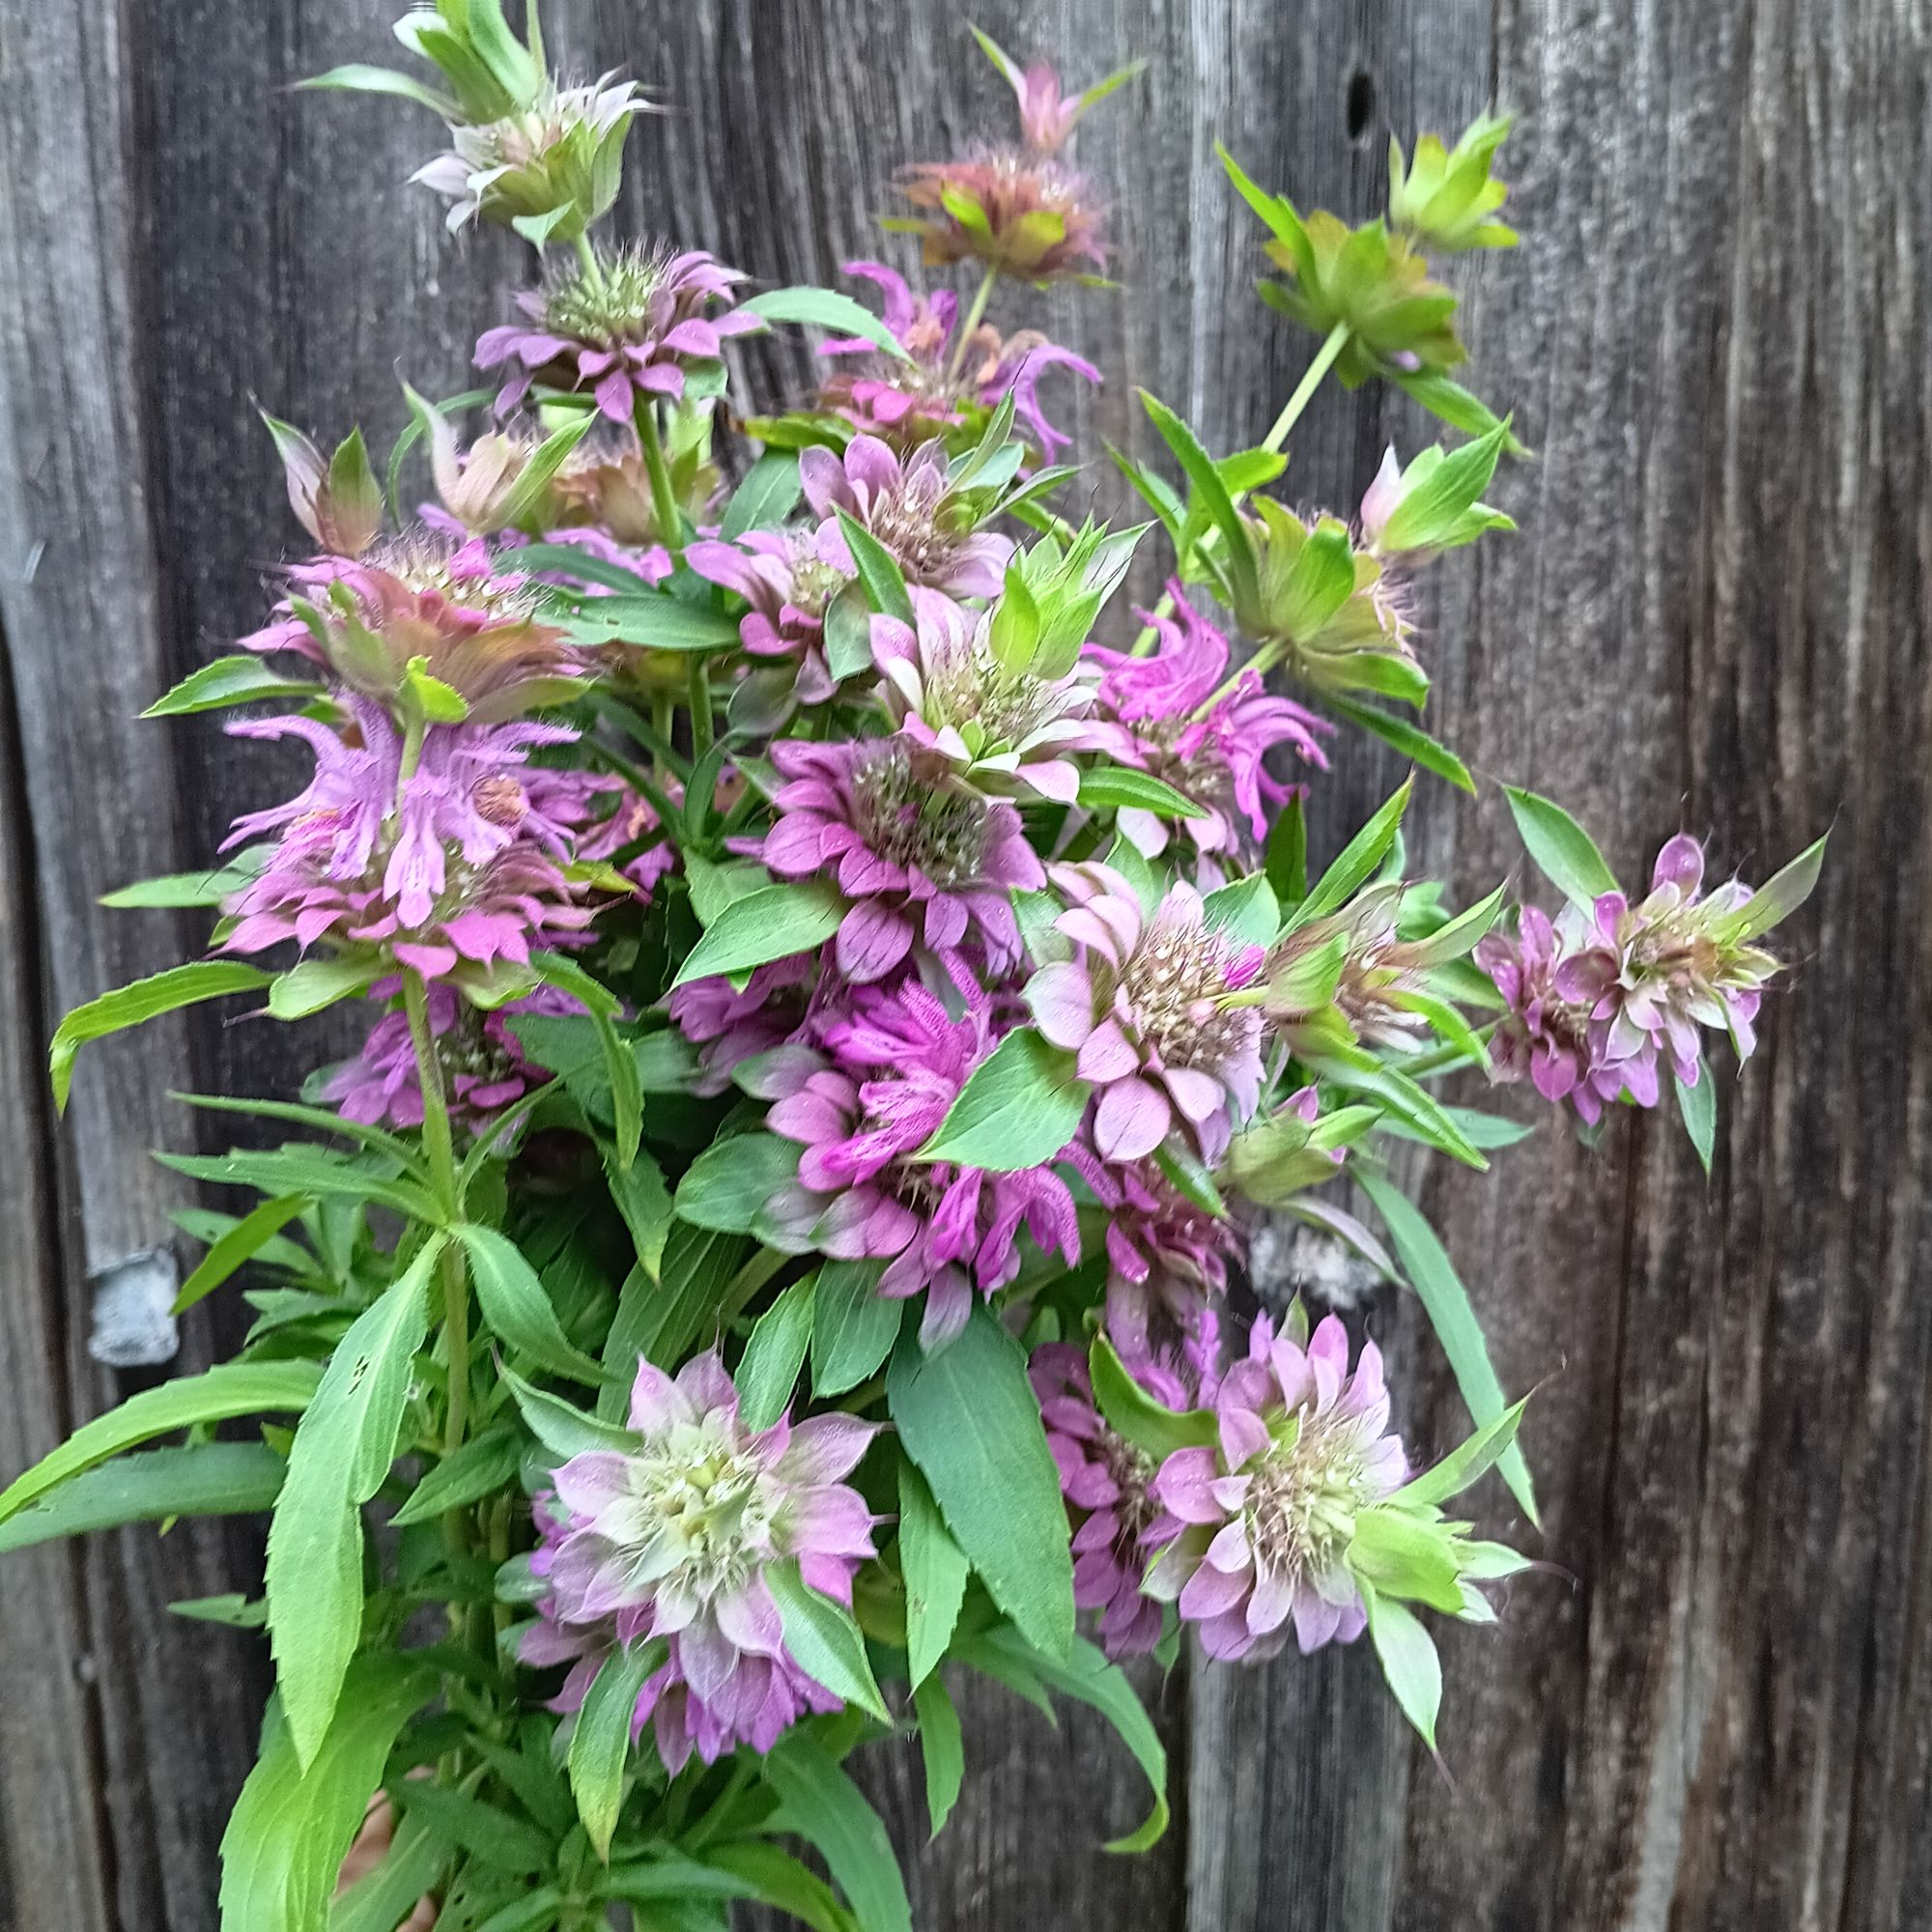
point(663, 499)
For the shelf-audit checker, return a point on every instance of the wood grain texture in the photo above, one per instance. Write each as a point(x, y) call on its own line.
point(1717, 335)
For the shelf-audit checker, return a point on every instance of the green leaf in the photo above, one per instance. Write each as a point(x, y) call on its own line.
point(1404, 1553)
point(620, 1065)
point(1446, 1301)
point(1401, 1097)
point(825, 1641)
point(312, 984)
point(145, 1000)
point(324, 1119)
point(1213, 494)
point(601, 1739)
point(826, 308)
point(853, 1326)
point(849, 633)
point(1145, 1422)
point(487, 1832)
point(228, 1389)
point(1410, 740)
point(240, 680)
point(1106, 787)
point(282, 1852)
point(1464, 1465)
point(726, 1187)
point(878, 569)
point(363, 80)
point(1246, 910)
point(1564, 852)
point(485, 1464)
point(1089, 1678)
point(771, 924)
point(765, 498)
point(1287, 858)
point(239, 1244)
point(1356, 865)
point(774, 1877)
point(935, 1572)
point(1778, 898)
point(644, 1202)
point(305, 1170)
point(565, 1430)
point(516, 1306)
point(1698, 1106)
point(652, 620)
point(206, 888)
point(824, 1805)
point(1019, 1107)
point(231, 1610)
point(941, 1749)
point(768, 1370)
point(1408, 1660)
point(968, 1418)
point(201, 1479)
point(1458, 406)
point(343, 1450)
point(559, 560)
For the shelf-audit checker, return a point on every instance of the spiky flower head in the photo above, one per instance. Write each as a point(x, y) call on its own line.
point(1545, 1035)
point(932, 390)
point(427, 627)
point(1675, 961)
point(633, 323)
point(1446, 198)
point(789, 579)
point(1004, 731)
point(547, 168)
point(1107, 1482)
point(898, 1063)
point(1143, 1003)
point(441, 864)
point(1021, 213)
point(483, 1065)
point(1335, 611)
point(910, 507)
point(1180, 723)
point(1255, 1529)
point(926, 860)
point(677, 1539)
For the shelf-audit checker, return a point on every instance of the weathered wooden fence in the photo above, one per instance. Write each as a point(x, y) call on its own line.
point(1718, 334)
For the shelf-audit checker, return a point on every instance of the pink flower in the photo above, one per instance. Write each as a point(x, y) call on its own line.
point(1545, 1036)
point(908, 505)
point(730, 1025)
point(629, 333)
point(483, 1065)
point(1168, 1262)
point(924, 860)
point(788, 577)
point(1140, 1001)
point(1002, 732)
point(861, 1193)
point(1660, 969)
point(1216, 760)
point(453, 864)
point(676, 1539)
point(1022, 213)
point(1255, 1531)
point(907, 403)
point(1107, 1482)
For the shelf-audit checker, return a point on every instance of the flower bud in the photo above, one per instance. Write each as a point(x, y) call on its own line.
point(339, 502)
point(1415, 513)
point(1445, 198)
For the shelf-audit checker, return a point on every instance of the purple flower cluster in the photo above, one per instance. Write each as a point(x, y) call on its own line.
point(1599, 1004)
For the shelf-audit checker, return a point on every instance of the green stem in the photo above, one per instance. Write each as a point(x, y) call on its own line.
point(587, 257)
point(438, 1147)
point(663, 499)
point(1311, 380)
point(1333, 344)
point(970, 321)
point(700, 704)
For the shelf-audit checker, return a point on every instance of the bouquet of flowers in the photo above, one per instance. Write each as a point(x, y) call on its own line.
point(839, 989)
